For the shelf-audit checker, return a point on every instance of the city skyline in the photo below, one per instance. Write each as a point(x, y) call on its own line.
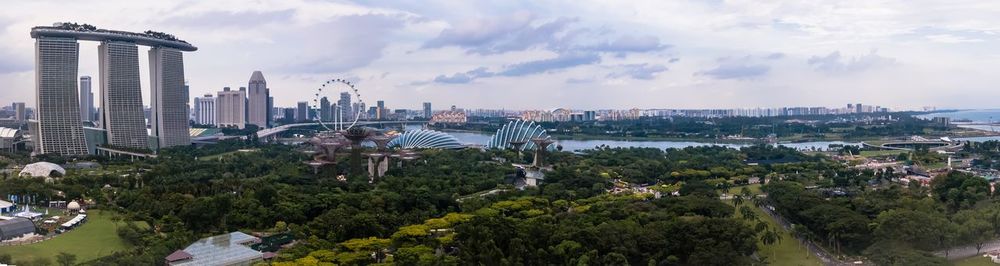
point(479, 55)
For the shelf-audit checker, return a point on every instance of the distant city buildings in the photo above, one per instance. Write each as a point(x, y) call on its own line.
point(258, 100)
point(449, 117)
point(230, 108)
point(428, 113)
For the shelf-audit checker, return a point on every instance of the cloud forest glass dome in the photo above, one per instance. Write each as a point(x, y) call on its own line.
point(518, 130)
point(426, 139)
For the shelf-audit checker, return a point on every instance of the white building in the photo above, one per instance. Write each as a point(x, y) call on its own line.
point(231, 108)
point(204, 110)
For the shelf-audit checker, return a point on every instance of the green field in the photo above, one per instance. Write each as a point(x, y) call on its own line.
point(94, 239)
point(881, 153)
point(787, 252)
point(975, 261)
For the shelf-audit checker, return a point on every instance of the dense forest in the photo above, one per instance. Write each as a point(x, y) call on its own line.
point(434, 211)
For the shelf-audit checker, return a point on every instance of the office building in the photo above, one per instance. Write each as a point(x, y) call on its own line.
point(270, 109)
point(86, 99)
point(58, 111)
point(204, 109)
point(302, 112)
point(230, 108)
point(257, 100)
point(19, 113)
point(325, 112)
point(121, 96)
point(427, 110)
point(344, 105)
point(380, 111)
point(169, 98)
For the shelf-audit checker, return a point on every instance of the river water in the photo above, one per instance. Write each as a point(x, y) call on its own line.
point(477, 138)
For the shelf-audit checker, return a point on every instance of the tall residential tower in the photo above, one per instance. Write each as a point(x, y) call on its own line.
point(121, 96)
point(169, 97)
point(257, 100)
point(56, 98)
point(86, 100)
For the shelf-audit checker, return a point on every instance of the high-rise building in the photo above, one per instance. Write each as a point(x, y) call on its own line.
point(121, 96)
point(325, 112)
point(230, 108)
point(57, 102)
point(380, 113)
point(169, 97)
point(302, 112)
point(427, 110)
point(19, 113)
point(204, 109)
point(270, 109)
point(86, 99)
point(257, 98)
point(344, 105)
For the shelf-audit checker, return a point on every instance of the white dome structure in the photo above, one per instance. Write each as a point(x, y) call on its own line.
point(42, 169)
point(426, 139)
point(73, 206)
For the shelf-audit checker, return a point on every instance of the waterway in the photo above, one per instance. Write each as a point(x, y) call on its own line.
point(478, 138)
point(981, 118)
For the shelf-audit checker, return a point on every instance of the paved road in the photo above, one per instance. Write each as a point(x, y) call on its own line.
point(963, 252)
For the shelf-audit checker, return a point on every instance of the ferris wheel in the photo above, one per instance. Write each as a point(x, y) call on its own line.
point(337, 112)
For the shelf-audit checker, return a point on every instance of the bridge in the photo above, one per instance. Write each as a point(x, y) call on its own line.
point(911, 145)
point(274, 131)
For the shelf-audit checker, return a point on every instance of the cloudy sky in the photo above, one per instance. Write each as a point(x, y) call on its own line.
point(548, 54)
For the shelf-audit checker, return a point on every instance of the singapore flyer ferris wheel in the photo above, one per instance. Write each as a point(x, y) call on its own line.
point(339, 104)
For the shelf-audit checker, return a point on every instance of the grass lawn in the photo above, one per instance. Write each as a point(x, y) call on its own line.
point(881, 153)
point(94, 239)
point(975, 261)
point(787, 252)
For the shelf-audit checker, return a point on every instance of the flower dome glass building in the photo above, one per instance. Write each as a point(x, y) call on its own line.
point(518, 130)
point(426, 139)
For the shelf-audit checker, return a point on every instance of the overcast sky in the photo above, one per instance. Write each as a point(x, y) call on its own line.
point(548, 54)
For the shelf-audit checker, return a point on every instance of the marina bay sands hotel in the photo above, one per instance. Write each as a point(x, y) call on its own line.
point(122, 122)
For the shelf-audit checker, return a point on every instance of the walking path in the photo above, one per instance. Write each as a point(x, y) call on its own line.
point(963, 252)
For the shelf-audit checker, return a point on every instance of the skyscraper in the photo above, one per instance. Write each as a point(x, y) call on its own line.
point(19, 113)
point(230, 108)
point(121, 96)
point(270, 109)
point(302, 112)
point(346, 114)
point(86, 99)
point(427, 110)
point(56, 97)
point(325, 113)
point(204, 109)
point(169, 97)
point(257, 93)
point(380, 112)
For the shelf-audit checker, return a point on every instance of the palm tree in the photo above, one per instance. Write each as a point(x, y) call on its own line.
point(770, 237)
point(737, 200)
point(745, 191)
point(760, 226)
point(748, 213)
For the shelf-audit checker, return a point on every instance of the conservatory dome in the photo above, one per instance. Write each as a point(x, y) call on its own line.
point(517, 131)
point(42, 169)
point(426, 139)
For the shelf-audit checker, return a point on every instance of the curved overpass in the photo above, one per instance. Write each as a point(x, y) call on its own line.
point(146, 39)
